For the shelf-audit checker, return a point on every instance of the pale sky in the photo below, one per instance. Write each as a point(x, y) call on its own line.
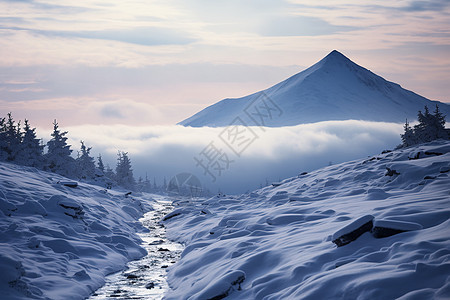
point(158, 62)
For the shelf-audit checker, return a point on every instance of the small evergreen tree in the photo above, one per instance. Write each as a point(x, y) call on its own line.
point(408, 138)
point(124, 172)
point(31, 150)
point(58, 159)
point(85, 163)
point(109, 172)
point(3, 142)
point(100, 164)
point(12, 138)
point(438, 124)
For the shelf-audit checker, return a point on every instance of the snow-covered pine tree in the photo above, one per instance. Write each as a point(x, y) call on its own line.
point(3, 143)
point(12, 138)
point(85, 163)
point(100, 164)
point(31, 151)
point(147, 184)
point(430, 128)
point(439, 124)
point(408, 137)
point(57, 158)
point(124, 172)
point(421, 130)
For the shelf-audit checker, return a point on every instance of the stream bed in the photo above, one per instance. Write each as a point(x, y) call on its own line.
point(145, 278)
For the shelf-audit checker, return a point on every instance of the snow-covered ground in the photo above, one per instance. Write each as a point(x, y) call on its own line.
point(277, 242)
point(59, 242)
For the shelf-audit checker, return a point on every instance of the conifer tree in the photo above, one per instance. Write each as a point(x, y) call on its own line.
point(124, 172)
point(439, 124)
point(31, 150)
point(3, 143)
point(12, 138)
point(58, 157)
point(408, 138)
point(100, 164)
point(86, 163)
point(109, 172)
point(429, 128)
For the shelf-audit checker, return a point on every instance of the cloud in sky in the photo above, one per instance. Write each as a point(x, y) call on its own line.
point(301, 26)
point(146, 36)
point(164, 151)
point(181, 52)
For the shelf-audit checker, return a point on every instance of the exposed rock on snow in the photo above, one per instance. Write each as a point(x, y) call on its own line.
point(386, 228)
point(353, 230)
point(72, 184)
point(390, 172)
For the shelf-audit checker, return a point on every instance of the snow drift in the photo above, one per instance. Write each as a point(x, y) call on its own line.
point(58, 239)
point(335, 88)
point(276, 243)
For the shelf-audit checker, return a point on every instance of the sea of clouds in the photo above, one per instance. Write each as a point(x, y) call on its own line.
point(247, 160)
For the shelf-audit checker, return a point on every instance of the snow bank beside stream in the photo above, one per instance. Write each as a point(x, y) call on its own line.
point(59, 242)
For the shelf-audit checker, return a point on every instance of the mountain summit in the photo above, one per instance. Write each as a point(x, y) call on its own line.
point(335, 88)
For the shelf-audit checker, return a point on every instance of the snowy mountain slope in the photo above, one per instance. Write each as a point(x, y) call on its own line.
point(58, 242)
point(276, 243)
point(335, 88)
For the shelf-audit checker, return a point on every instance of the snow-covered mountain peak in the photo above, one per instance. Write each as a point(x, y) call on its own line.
point(335, 88)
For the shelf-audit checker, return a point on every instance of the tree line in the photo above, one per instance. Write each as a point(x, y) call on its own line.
point(431, 127)
point(20, 145)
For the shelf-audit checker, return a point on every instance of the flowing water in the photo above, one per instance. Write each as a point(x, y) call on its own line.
point(145, 278)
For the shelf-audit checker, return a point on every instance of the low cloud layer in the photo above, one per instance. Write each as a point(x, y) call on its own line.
point(273, 153)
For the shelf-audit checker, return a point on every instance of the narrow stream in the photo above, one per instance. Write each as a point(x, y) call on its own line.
point(145, 278)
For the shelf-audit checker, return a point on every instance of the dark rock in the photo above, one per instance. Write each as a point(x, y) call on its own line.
point(150, 285)
point(170, 216)
point(380, 232)
point(386, 228)
point(386, 151)
point(163, 250)
point(159, 242)
point(417, 156)
point(164, 266)
point(353, 231)
point(432, 153)
point(72, 184)
point(132, 276)
point(429, 177)
point(444, 169)
point(390, 172)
